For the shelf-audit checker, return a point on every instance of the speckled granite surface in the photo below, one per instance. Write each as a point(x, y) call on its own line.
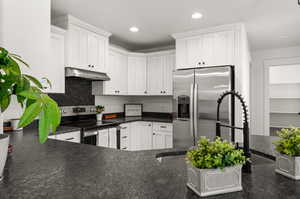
point(75, 171)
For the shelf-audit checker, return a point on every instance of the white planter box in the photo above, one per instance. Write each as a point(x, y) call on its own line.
point(288, 166)
point(206, 182)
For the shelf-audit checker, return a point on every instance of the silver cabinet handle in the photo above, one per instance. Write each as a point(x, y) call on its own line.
point(196, 110)
point(124, 137)
point(70, 139)
point(191, 110)
point(153, 133)
point(124, 148)
point(124, 127)
point(163, 127)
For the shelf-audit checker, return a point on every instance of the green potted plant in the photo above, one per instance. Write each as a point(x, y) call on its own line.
point(288, 153)
point(29, 93)
point(214, 167)
point(99, 111)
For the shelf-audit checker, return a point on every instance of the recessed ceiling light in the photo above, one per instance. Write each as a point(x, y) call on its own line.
point(134, 29)
point(197, 15)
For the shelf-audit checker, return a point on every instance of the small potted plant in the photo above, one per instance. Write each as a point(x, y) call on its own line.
point(288, 153)
point(215, 167)
point(99, 111)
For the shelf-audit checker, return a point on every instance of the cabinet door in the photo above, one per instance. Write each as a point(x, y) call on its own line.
point(141, 136)
point(102, 54)
point(56, 73)
point(110, 86)
point(73, 58)
point(135, 136)
point(137, 75)
point(146, 137)
point(93, 51)
point(122, 77)
point(158, 140)
point(103, 138)
point(84, 45)
point(223, 48)
point(112, 138)
point(194, 51)
point(155, 74)
point(168, 141)
point(208, 50)
point(168, 74)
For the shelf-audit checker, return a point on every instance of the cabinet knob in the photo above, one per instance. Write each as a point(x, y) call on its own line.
point(203, 63)
point(161, 92)
point(145, 92)
point(153, 133)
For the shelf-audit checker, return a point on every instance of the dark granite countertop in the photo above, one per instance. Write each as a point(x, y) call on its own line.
point(135, 119)
point(66, 170)
point(92, 123)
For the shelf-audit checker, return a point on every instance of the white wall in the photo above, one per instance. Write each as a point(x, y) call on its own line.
point(25, 30)
point(112, 104)
point(259, 121)
point(115, 104)
point(161, 104)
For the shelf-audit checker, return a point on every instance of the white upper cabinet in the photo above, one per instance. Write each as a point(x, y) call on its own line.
point(160, 68)
point(168, 73)
point(137, 75)
point(207, 49)
point(155, 75)
point(56, 71)
point(117, 71)
point(86, 46)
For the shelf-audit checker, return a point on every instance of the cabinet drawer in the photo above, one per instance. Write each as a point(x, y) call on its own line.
point(69, 137)
point(162, 127)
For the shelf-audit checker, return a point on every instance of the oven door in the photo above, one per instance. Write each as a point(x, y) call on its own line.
point(90, 137)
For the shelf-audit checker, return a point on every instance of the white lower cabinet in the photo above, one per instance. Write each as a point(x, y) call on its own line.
point(125, 137)
point(140, 136)
point(68, 137)
point(162, 136)
point(112, 139)
point(103, 138)
point(107, 138)
point(150, 135)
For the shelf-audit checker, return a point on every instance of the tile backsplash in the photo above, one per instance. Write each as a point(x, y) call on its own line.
point(78, 92)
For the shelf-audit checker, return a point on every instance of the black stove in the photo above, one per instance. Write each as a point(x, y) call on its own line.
point(84, 117)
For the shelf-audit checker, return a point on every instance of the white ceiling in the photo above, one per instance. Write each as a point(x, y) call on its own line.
point(270, 23)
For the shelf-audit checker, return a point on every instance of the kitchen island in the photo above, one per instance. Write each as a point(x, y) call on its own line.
point(65, 170)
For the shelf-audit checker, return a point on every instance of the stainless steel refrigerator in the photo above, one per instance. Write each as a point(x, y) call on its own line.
point(195, 104)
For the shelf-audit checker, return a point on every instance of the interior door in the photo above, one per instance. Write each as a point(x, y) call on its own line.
point(182, 108)
point(210, 83)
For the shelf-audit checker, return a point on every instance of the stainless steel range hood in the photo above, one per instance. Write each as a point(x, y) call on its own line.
point(85, 74)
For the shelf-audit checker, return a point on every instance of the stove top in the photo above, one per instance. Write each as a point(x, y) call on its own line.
point(89, 124)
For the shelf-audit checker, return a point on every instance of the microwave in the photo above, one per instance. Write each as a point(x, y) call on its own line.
point(133, 110)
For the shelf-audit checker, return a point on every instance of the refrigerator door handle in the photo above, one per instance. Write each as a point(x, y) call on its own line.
point(195, 111)
point(191, 111)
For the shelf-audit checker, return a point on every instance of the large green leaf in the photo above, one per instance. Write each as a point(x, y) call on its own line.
point(30, 113)
point(35, 81)
point(18, 58)
point(4, 102)
point(44, 126)
point(52, 111)
point(30, 94)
